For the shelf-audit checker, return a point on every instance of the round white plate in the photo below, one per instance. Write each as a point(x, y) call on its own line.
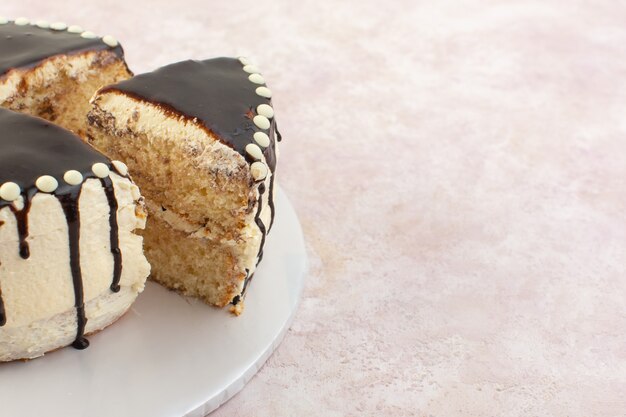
point(169, 356)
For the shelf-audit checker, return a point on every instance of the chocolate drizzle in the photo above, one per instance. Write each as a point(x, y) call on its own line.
point(3, 316)
point(21, 217)
point(69, 202)
point(28, 45)
point(31, 147)
point(107, 184)
point(274, 136)
point(259, 222)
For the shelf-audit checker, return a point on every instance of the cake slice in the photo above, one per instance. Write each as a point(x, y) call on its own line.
point(70, 260)
point(200, 139)
point(51, 70)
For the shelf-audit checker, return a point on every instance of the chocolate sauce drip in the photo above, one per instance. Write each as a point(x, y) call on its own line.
point(3, 317)
point(107, 184)
point(69, 202)
point(259, 223)
point(280, 137)
point(241, 296)
point(270, 202)
point(273, 133)
point(28, 45)
point(21, 217)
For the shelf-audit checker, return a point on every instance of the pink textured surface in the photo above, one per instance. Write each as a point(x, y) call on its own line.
point(459, 168)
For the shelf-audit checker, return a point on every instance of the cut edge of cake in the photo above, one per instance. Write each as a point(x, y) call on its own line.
point(56, 82)
point(210, 206)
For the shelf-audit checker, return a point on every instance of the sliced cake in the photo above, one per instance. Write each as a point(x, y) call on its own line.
point(70, 260)
point(51, 70)
point(200, 139)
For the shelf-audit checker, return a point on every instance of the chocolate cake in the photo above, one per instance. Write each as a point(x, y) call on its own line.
point(51, 70)
point(200, 139)
point(70, 261)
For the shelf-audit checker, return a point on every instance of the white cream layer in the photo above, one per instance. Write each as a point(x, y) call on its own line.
point(41, 286)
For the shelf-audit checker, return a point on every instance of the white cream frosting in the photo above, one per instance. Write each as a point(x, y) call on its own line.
point(41, 287)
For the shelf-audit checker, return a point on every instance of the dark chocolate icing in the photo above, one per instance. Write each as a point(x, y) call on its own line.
point(28, 45)
point(114, 238)
point(21, 217)
point(3, 317)
point(217, 94)
point(31, 147)
point(69, 202)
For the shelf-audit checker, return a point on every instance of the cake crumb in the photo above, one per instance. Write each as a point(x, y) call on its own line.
point(237, 309)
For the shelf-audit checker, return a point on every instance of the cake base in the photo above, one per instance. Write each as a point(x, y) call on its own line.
point(185, 356)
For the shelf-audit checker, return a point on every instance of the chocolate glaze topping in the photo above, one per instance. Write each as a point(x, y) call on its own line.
point(115, 248)
point(31, 147)
point(69, 202)
point(217, 94)
point(26, 46)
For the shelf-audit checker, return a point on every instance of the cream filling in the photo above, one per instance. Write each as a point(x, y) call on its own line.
point(41, 286)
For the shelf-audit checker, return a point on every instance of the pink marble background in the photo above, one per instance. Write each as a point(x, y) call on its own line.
point(459, 168)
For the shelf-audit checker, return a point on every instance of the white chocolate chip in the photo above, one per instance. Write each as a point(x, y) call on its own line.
point(254, 151)
point(264, 92)
point(100, 170)
point(3, 20)
point(75, 29)
point(244, 60)
point(251, 69)
point(73, 177)
point(120, 167)
point(261, 122)
point(58, 26)
point(110, 40)
point(88, 35)
point(256, 78)
point(46, 183)
point(262, 139)
point(44, 24)
point(258, 171)
point(265, 110)
point(21, 21)
point(10, 191)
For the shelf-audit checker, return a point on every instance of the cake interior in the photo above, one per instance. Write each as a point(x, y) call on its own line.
point(200, 268)
point(60, 87)
point(199, 238)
